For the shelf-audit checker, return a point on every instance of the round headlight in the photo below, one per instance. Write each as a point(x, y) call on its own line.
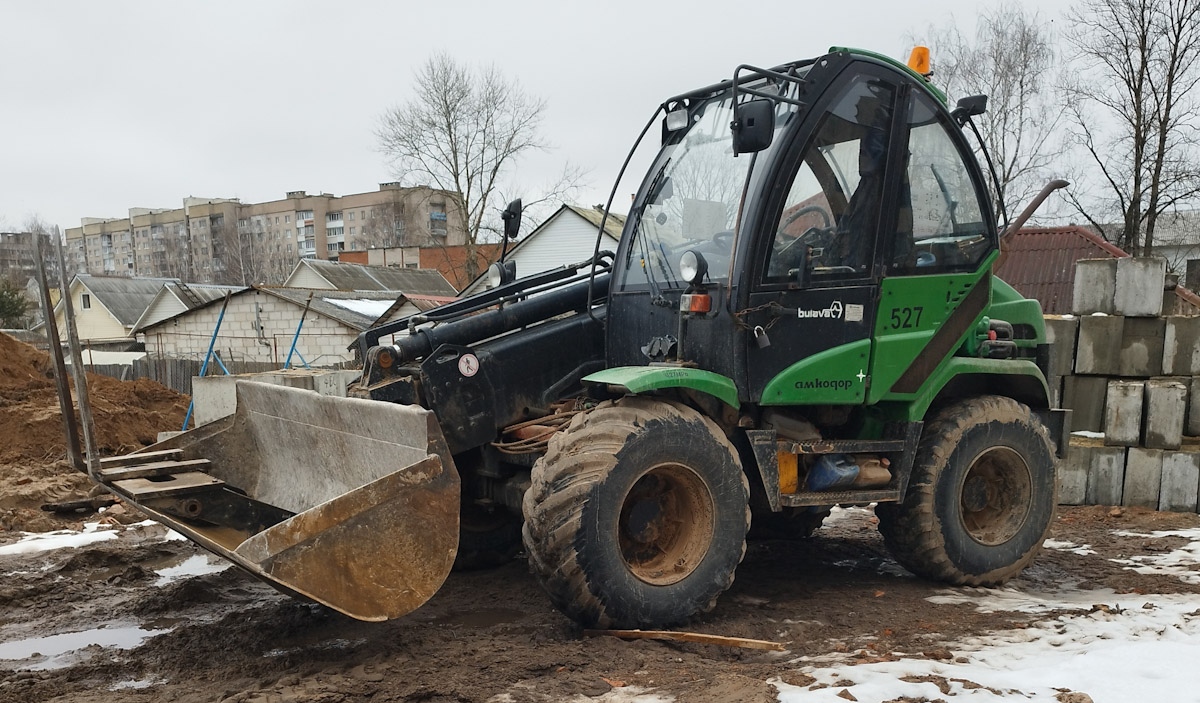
point(693, 267)
point(495, 276)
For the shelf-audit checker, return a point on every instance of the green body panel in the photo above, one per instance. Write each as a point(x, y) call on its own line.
point(911, 311)
point(913, 408)
point(834, 376)
point(641, 379)
point(1011, 306)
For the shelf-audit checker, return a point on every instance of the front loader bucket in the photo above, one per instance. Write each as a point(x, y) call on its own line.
point(348, 502)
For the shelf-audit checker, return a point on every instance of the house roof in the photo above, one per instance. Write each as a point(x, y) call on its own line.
point(357, 277)
point(125, 298)
point(1040, 263)
point(612, 227)
point(358, 310)
point(190, 295)
point(425, 303)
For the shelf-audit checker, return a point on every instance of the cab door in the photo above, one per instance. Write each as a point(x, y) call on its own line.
point(815, 291)
point(941, 245)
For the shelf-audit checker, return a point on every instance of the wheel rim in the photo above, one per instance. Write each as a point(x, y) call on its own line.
point(666, 524)
point(995, 496)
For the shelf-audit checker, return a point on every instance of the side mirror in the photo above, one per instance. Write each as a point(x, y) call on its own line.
point(753, 126)
point(968, 107)
point(512, 219)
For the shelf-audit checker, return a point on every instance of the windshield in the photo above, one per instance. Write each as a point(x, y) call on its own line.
point(692, 196)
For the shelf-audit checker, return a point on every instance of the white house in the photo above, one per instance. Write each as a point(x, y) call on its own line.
point(566, 237)
point(108, 307)
point(260, 324)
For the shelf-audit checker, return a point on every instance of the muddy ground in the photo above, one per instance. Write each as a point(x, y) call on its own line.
point(492, 635)
point(486, 636)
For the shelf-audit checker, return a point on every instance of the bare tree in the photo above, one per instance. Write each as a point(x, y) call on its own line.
point(1132, 108)
point(462, 132)
point(1012, 60)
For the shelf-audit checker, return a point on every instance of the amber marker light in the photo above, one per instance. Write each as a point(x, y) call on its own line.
point(920, 62)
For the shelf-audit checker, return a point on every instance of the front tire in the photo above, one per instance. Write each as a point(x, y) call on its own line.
point(637, 515)
point(981, 497)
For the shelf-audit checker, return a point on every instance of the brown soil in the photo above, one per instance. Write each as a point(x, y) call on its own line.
point(486, 635)
point(33, 470)
point(493, 633)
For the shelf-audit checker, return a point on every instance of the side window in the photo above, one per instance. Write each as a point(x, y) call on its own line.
point(941, 225)
point(827, 228)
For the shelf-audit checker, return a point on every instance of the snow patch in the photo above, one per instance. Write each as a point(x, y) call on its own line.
point(1126, 648)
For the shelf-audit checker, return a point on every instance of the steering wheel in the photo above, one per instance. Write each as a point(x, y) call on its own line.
point(723, 239)
point(807, 209)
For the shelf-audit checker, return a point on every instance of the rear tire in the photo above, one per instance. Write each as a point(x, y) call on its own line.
point(637, 515)
point(981, 497)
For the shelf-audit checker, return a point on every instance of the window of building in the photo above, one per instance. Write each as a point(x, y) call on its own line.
point(333, 216)
point(86, 301)
point(287, 218)
point(352, 229)
point(304, 215)
point(351, 215)
point(334, 231)
point(277, 219)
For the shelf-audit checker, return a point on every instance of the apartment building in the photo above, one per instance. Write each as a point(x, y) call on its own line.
point(222, 240)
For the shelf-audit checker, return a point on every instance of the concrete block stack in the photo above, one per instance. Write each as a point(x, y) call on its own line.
point(1134, 375)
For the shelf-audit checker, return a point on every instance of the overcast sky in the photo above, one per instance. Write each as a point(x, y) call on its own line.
point(112, 105)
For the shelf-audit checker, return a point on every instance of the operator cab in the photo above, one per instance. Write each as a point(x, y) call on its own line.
point(863, 181)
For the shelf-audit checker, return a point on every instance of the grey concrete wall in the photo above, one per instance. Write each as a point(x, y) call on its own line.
point(1098, 350)
point(1142, 343)
point(1180, 481)
point(1143, 478)
point(1123, 413)
point(1139, 285)
point(1166, 407)
point(1095, 286)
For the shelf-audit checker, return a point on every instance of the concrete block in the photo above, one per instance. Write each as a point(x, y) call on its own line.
point(1123, 413)
point(1166, 405)
point(1073, 474)
point(1181, 346)
point(1142, 341)
point(1085, 395)
point(1055, 384)
point(213, 397)
point(1099, 349)
point(1192, 426)
point(1143, 478)
point(1106, 476)
point(1180, 482)
point(1095, 286)
point(1061, 332)
point(1139, 286)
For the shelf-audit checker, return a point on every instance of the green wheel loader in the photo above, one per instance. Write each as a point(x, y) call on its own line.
point(801, 313)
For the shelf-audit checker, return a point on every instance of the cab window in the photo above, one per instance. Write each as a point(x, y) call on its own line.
point(941, 224)
point(827, 228)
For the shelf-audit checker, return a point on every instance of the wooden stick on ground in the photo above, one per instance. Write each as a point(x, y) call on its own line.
point(696, 637)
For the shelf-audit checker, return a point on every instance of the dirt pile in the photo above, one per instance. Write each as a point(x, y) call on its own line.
point(127, 414)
